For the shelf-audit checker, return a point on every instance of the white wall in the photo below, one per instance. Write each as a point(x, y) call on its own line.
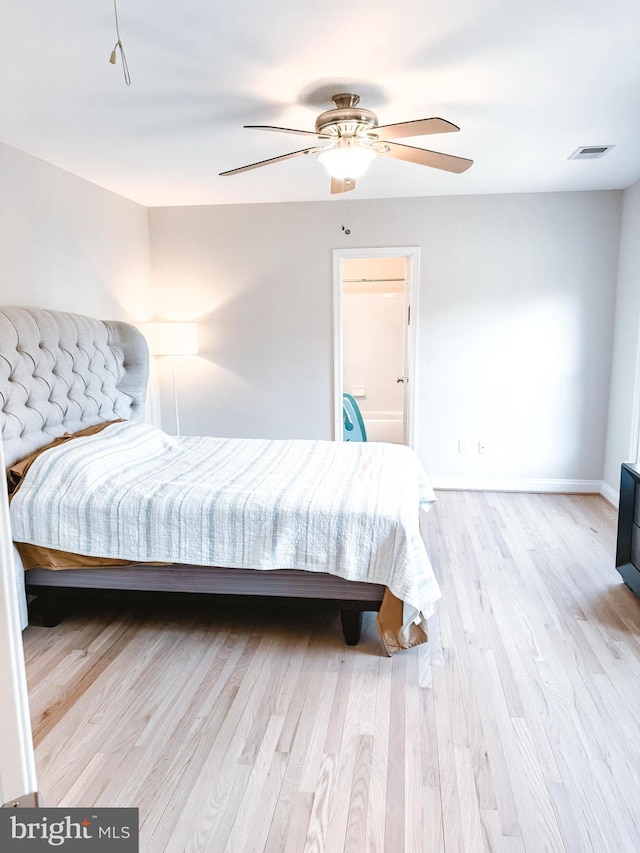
point(517, 305)
point(69, 245)
point(624, 379)
point(258, 278)
point(515, 326)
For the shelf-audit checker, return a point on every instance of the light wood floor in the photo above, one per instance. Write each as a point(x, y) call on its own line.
point(516, 729)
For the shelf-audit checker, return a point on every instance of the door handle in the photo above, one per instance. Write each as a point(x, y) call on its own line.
point(401, 380)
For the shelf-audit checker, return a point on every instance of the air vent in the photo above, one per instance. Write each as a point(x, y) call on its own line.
point(590, 152)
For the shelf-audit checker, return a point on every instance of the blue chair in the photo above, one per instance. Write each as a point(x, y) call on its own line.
point(352, 423)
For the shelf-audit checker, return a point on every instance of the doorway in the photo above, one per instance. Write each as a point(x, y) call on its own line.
point(634, 449)
point(374, 346)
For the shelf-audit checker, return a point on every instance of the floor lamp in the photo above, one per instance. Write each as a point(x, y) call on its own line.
point(171, 339)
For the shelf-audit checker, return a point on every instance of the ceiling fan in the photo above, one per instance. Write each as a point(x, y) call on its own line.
point(355, 140)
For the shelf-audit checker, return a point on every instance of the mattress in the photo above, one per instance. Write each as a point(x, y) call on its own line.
point(133, 493)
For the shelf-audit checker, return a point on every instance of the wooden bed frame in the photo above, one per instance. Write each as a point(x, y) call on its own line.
point(351, 598)
point(62, 372)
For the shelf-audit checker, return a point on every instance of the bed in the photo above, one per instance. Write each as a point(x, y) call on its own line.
point(79, 384)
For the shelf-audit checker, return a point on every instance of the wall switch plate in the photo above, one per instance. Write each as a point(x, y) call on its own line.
point(482, 447)
point(463, 445)
point(359, 390)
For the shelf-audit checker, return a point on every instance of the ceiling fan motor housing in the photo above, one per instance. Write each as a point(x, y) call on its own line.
point(347, 119)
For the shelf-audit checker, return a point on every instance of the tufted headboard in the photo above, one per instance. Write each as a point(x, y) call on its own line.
point(62, 372)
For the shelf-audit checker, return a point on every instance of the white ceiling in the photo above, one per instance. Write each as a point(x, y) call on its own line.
point(527, 83)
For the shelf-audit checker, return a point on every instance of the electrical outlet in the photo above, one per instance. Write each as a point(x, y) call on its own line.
point(483, 447)
point(463, 445)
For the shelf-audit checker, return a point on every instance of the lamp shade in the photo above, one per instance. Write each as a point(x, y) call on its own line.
point(166, 338)
point(347, 160)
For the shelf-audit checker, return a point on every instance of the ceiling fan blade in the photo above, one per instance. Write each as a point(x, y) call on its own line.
point(270, 160)
point(419, 127)
point(285, 130)
point(448, 162)
point(342, 185)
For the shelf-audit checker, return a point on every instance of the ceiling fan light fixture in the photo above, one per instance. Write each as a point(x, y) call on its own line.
point(355, 139)
point(347, 160)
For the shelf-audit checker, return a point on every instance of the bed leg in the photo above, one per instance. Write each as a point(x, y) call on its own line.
point(49, 608)
point(351, 626)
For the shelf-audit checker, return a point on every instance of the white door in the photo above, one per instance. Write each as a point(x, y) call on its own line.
point(374, 339)
point(17, 762)
point(407, 367)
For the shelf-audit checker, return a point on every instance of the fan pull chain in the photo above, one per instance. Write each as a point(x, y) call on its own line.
point(346, 217)
point(118, 46)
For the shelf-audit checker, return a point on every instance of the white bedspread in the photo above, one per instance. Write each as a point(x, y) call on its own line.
point(135, 493)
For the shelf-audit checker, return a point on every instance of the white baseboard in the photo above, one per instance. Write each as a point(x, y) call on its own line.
point(520, 484)
point(609, 494)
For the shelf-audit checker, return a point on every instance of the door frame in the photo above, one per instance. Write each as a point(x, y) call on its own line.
point(17, 760)
point(411, 254)
point(634, 445)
